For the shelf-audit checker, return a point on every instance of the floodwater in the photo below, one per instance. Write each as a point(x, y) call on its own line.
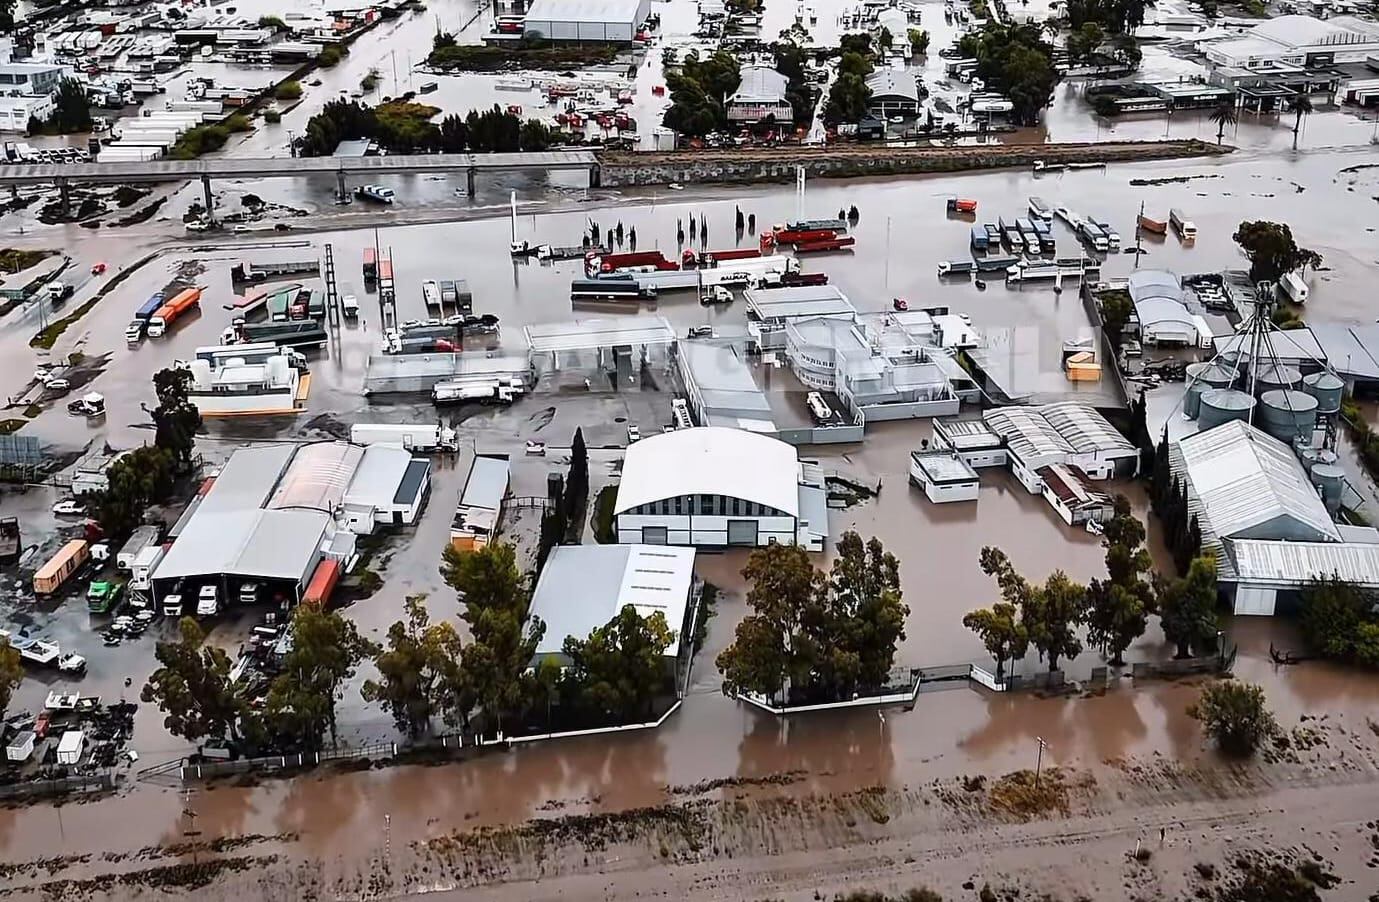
point(902, 234)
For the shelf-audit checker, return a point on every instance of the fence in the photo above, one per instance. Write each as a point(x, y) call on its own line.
point(920, 679)
point(77, 783)
point(207, 770)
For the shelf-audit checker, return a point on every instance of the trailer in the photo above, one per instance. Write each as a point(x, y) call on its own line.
point(1039, 209)
point(413, 437)
point(795, 236)
point(1010, 236)
point(840, 243)
point(323, 580)
point(626, 288)
point(482, 391)
point(714, 258)
point(370, 265)
point(60, 567)
point(142, 567)
point(1092, 234)
point(248, 271)
point(140, 539)
point(833, 225)
point(1186, 228)
point(70, 747)
point(611, 263)
point(1044, 233)
point(9, 540)
point(979, 239)
point(149, 307)
point(167, 314)
point(301, 334)
point(430, 294)
point(1293, 288)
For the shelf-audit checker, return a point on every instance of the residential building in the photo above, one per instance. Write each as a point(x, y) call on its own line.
point(715, 486)
point(760, 96)
point(893, 93)
point(1067, 490)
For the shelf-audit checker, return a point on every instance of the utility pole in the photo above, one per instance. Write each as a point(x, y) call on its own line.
point(394, 56)
point(1039, 761)
point(1138, 233)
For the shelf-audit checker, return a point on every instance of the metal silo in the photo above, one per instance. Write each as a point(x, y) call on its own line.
point(1202, 377)
point(1330, 479)
point(1221, 405)
point(1274, 377)
point(1327, 388)
point(1286, 415)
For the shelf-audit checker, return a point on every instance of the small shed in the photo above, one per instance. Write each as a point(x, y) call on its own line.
point(70, 747)
point(20, 746)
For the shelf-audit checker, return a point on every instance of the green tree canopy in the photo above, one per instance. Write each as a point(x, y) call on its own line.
point(1002, 633)
point(71, 112)
point(1187, 608)
point(1235, 716)
point(138, 479)
point(418, 671)
point(1340, 620)
point(1118, 606)
point(192, 687)
point(326, 650)
point(1017, 61)
point(1050, 613)
point(699, 92)
point(176, 419)
point(11, 673)
point(1272, 251)
point(619, 669)
point(847, 99)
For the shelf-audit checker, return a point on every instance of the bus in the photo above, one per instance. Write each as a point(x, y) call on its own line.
point(370, 265)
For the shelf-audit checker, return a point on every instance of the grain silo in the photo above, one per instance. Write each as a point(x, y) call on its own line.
point(1221, 405)
point(1327, 388)
point(1287, 414)
point(1329, 479)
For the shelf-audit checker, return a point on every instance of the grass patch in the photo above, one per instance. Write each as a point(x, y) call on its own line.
point(49, 336)
point(288, 90)
point(1016, 794)
point(12, 259)
point(11, 425)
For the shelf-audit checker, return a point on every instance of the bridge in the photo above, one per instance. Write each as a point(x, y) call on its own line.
point(65, 175)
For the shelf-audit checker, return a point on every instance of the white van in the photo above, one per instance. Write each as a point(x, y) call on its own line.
point(1293, 288)
point(818, 406)
point(172, 606)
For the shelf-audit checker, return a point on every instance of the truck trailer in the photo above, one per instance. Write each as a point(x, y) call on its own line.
point(413, 437)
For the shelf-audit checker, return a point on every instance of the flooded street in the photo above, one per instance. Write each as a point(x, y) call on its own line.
point(339, 824)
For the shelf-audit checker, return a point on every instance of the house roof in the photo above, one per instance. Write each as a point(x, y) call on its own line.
point(248, 478)
point(711, 460)
point(760, 84)
point(1245, 480)
point(889, 83)
point(582, 587)
point(1069, 484)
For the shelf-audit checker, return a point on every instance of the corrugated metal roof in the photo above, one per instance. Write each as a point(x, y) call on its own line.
point(264, 544)
point(1296, 563)
point(605, 332)
point(248, 478)
point(943, 466)
point(379, 476)
point(966, 435)
point(583, 586)
point(1246, 479)
point(620, 11)
point(1085, 429)
point(318, 477)
point(798, 300)
point(760, 84)
point(711, 460)
point(1027, 431)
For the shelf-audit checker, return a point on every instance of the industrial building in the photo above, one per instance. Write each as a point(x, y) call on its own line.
point(768, 310)
point(1163, 310)
point(274, 513)
point(1296, 41)
point(1067, 490)
point(1062, 433)
point(944, 476)
point(239, 389)
point(387, 373)
point(583, 587)
point(602, 21)
point(972, 440)
point(720, 389)
point(481, 502)
point(715, 486)
point(760, 96)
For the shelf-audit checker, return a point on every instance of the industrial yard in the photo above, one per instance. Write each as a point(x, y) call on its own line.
point(644, 362)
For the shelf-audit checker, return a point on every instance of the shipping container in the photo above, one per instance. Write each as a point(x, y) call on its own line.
point(370, 265)
point(322, 583)
point(61, 566)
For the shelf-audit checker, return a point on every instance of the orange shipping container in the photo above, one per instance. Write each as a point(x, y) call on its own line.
point(60, 566)
point(323, 581)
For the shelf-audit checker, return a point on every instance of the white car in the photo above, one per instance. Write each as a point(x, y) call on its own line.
point(634, 434)
point(57, 385)
point(536, 447)
point(69, 508)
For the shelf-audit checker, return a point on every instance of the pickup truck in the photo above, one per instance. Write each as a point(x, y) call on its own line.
point(57, 292)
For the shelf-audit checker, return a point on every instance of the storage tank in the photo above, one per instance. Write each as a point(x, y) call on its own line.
point(1274, 377)
point(277, 370)
point(1221, 405)
point(1287, 414)
point(1329, 479)
point(1327, 388)
point(1200, 377)
point(201, 374)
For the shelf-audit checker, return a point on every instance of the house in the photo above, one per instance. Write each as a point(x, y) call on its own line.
point(760, 96)
point(1065, 488)
point(893, 93)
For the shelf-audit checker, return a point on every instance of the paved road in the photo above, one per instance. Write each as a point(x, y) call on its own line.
point(232, 167)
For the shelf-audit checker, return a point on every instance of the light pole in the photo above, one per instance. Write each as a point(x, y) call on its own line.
point(1039, 761)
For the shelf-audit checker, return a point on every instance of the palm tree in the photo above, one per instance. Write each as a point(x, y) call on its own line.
point(1301, 106)
point(1223, 115)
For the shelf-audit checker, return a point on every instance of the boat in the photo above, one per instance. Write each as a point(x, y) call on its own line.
point(956, 267)
point(1153, 226)
point(428, 86)
point(1039, 209)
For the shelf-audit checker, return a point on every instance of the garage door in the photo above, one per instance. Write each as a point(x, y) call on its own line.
point(742, 532)
point(653, 535)
point(1255, 601)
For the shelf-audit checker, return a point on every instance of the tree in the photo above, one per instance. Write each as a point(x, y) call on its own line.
point(1187, 608)
point(418, 670)
point(1118, 606)
point(503, 638)
point(1340, 620)
point(1001, 632)
point(864, 616)
point(620, 668)
point(136, 480)
point(7, 15)
point(11, 673)
point(454, 134)
point(919, 41)
point(699, 92)
point(288, 90)
point(769, 649)
point(1272, 251)
point(330, 56)
point(71, 112)
point(326, 650)
point(535, 136)
point(1301, 106)
point(1084, 41)
point(847, 99)
point(577, 486)
point(791, 60)
point(192, 687)
point(1235, 716)
point(272, 22)
point(1116, 310)
point(885, 40)
point(1017, 61)
point(855, 64)
point(859, 43)
point(1223, 116)
point(176, 419)
point(1050, 613)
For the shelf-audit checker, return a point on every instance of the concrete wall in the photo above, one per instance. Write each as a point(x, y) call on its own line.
point(875, 413)
point(821, 435)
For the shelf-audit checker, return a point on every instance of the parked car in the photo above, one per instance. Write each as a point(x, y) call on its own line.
point(634, 434)
point(69, 507)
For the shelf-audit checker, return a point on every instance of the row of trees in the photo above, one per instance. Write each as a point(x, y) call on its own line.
point(699, 92)
point(1169, 502)
point(1017, 61)
point(405, 127)
point(1114, 611)
point(815, 636)
point(1114, 16)
point(849, 95)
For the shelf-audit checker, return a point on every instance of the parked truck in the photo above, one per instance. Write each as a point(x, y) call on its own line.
point(140, 539)
point(485, 391)
point(301, 334)
point(412, 437)
point(9, 540)
point(167, 314)
point(142, 567)
point(250, 271)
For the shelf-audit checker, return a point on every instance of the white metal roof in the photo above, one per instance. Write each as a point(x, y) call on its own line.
point(620, 11)
point(606, 332)
point(487, 483)
point(1245, 480)
point(760, 84)
point(798, 300)
point(943, 466)
point(890, 83)
point(1027, 432)
point(318, 477)
point(711, 460)
point(380, 473)
point(1295, 563)
point(247, 478)
point(1086, 430)
point(584, 586)
point(966, 435)
point(265, 544)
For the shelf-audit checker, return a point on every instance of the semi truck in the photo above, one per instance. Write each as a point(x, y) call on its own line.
point(250, 271)
point(141, 569)
point(167, 314)
point(485, 391)
point(413, 437)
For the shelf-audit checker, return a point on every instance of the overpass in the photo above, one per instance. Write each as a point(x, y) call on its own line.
point(64, 175)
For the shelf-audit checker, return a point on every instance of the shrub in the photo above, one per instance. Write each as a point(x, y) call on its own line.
point(239, 123)
point(330, 56)
point(289, 90)
point(272, 117)
point(1235, 716)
